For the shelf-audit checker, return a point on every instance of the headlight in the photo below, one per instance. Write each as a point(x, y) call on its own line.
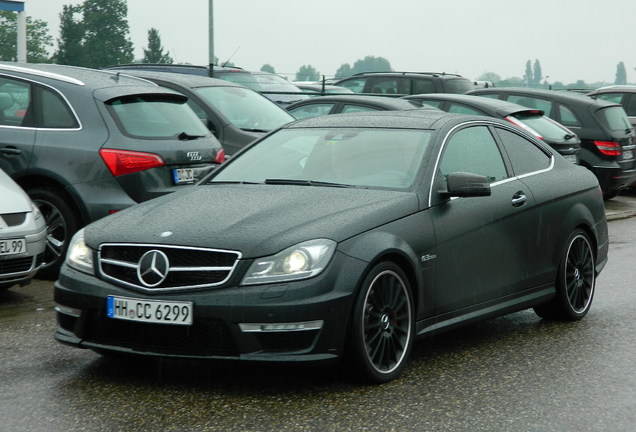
point(79, 256)
point(301, 261)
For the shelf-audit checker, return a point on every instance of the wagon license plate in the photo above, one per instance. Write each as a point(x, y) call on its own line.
point(12, 246)
point(183, 175)
point(629, 154)
point(149, 311)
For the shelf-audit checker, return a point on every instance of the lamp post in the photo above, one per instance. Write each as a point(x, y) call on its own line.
point(18, 6)
point(211, 37)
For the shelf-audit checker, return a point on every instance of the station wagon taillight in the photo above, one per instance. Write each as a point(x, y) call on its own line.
point(220, 156)
point(608, 148)
point(121, 162)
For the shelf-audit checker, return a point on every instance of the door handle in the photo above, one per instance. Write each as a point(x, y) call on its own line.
point(519, 199)
point(11, 150)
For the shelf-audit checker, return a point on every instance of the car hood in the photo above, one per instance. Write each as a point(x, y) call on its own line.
point(257, 220)
point(14, 199)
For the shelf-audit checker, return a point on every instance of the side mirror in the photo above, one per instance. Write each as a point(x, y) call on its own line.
point(461, 184)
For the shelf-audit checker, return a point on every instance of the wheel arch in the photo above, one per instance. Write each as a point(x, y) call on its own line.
point(579, 217)
point(42, 181)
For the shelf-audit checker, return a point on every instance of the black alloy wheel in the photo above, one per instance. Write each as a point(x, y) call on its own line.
point(61, 224)
point(575, 283)
point(383, 324)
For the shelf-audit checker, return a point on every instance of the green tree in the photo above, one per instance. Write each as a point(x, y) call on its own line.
point(106, 39)
point(70, 44)
point(489, 77)
point(344, 71)
point(621, 74)
point(154, 53)
point(268, 68)
point(307, 73)
point(537, 73)
point(38, 38)
point(528, 76)
point(371, 64)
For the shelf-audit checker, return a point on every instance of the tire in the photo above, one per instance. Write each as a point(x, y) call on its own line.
point(62, 222)
point(383, 325)
point(576, 281)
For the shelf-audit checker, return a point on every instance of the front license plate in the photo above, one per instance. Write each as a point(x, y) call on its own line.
point(629, 154)
point(149, 311)
point(12, 246)
point(183, 175)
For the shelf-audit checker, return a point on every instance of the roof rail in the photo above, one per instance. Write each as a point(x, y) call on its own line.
point(406, 72)
point(42, 73)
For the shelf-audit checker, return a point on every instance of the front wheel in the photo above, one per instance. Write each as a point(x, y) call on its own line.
point(383, 324)
point(576, 281)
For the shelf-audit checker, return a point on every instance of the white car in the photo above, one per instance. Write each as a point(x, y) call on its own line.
point(22, 235)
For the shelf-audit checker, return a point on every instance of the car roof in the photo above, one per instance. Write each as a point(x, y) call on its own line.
point(380, 101)
point(501, 107)
point(555, 95)
point(411, 119)
point(614, 89)
point(184, 80)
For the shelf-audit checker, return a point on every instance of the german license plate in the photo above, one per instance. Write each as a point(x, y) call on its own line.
point(149, 311)
point(183, 175)
point(12, 246)
point(629, 154)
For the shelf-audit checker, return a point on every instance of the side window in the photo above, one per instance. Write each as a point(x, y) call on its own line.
point(423, 86)
point(531, 102)
point(55, 113)
point(433, 103)
point(630, 106)
point(473, 150)
point(15, 98)
point(355, 85)
point(525, 156)
point(463, 109)
point(357, 108)
point(311, 110)
point(382, 85)
point(567, 117)
point(611, 97)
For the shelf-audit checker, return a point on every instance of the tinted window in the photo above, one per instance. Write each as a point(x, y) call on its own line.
point(355, 85)
point(459, 85)
point(357, 108)
point(542, 125)
point(433, 103)
point(387, 85)
point(631, 106)
point(146, 116)
point(15, 97)
point(531, 102)
point(567, 117)
point(463, 109)
point(55, 112)
point(311, 110)
point(524, 155)
point(423, 86)
point(611, 97)
point(474, 150)
point(615, 118)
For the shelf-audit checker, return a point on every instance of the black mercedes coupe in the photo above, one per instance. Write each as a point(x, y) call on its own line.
point(341, 237)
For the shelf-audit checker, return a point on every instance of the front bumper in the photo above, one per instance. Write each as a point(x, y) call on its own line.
point(297, 321)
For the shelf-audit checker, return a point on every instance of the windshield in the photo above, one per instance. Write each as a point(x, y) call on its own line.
point(353, 157)
point(616, 118)
point(245, 109)
point(151, 116)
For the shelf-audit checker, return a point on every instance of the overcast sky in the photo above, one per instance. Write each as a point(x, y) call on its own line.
point(572, 39)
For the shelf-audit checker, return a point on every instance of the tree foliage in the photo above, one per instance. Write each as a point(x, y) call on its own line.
point(307, 73)
point(537, 73)
point(621, 74)
point(367, 64)
point(70, 44)
point(344, 71)
point(38, 38)
point(154, 53)
point(268, 68)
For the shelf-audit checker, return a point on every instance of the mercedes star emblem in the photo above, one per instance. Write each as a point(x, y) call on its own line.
point(153, 268)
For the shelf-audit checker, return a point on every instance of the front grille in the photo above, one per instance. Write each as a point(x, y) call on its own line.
point(184, 267)
point(203, 338)
point(15, 265)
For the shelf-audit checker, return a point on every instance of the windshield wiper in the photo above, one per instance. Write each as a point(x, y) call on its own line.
point(255, 130)
point(297, 182)
point(184, 136)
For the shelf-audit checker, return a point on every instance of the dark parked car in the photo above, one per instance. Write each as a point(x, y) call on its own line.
point(343, 236)
point(406, 83)
point(607, 137)
point(554, 134)
point(236, 115)
point(22, 235)
point(621, 94)
point(320, 89)
point(85, 143)
point(337, 104)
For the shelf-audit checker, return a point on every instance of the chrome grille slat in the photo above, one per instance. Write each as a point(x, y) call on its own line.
point(186, 267)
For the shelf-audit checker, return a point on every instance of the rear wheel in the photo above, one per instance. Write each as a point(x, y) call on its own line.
point(62, 222)
point(576, 281)
point(383, 324)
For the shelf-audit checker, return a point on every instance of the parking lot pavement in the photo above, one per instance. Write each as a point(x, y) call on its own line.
point(622, 206)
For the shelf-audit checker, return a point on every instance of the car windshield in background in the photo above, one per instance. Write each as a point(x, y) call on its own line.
point(145, 116)
point(354, 157)
point(261, 83)
point(547, 128)
point(244, 108)
point(616, 118)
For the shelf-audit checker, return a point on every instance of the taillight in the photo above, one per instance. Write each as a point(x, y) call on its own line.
point(608, 148)
point(220, 156)
point(121, 162)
